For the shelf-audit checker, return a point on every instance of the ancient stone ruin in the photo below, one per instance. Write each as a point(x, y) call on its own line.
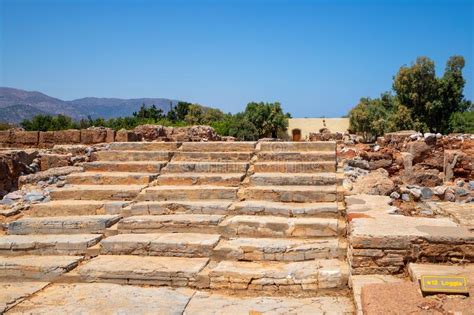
point(218, 227)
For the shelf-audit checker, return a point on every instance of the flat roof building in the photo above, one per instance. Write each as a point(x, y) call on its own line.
point(300, 128)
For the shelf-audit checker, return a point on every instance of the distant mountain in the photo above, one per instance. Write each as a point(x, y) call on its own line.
point(16, 105)
point(16, 113)
point(116, 107)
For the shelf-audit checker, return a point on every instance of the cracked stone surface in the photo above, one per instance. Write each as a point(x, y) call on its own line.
point(36, 267)
point(47, 244)
point(207, 303)
point(277, 249)
point(161, 244)
point(13, 292)
point(175, 271)
point(277, 276)
point(105, 298)
point(63, 225)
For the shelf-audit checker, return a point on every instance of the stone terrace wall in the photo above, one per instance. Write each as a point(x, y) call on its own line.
point(47, 139)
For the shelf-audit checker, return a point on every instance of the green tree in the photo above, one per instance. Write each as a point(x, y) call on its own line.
point(268, 118)
point(431, 100)
point(462, 122)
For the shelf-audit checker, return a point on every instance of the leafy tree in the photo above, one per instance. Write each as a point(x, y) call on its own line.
point(268, 118)
point(242, 128)
point(462, 122)
point(181, 109)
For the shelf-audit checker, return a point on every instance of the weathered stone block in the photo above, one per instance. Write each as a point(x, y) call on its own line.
point(126, 136)
point(25, 137)
point(48, 161)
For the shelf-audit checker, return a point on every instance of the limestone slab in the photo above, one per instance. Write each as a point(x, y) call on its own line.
point(96, 192)
point(279, 276)
point(129, 166)
point(45, 268)
point(260, 207)
point(144, 146)
point(206, 223)
point(312, 156)
point(171, 271)
point(463, 213)
point(131, 155)
point(212, 156)
point(171, 207)
point(218, 146)
point(272, 226)
point(110, 178)
point(213, 304)
point(63, 225)
point(205, 167)
point(67, 207)
point(13, 292)
point(47, 244)
point(297, 146)
point(295, 167)
point(161, 244)
point(105, 298)
point(417, 270)
point(276, 179)
point(304, 194)
point(203, 192)
point(276, 249)
point(215, 179)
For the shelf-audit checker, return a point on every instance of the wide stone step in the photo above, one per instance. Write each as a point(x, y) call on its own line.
point(198, 223)
point(218, 146)
point(44, 268)
point(172, 207)
point(103, 298)
point(47, 244)
point(205, 192)
point(314, 275)
point(161, 244)
point(63, 225)
point(271, 226)
point(277, 249)
point(291, 193)
point(211, 303)
point(142, 270)
point(96, 192)
point(137, 166)
point(111, 178)
point(264, 179)
point(56, 208)
point(212, 156)
point(295, 167)
point(144, 146)
point(317, 209)
point(124, 156)
point(297, 146)
point(206, 167)
point(313, 156)
point(228, 179)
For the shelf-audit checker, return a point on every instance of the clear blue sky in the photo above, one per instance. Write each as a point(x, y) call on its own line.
point(316, 57)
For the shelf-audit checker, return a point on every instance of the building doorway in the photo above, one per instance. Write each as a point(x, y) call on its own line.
point(296, 134)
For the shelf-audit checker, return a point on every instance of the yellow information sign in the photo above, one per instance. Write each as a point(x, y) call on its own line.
point(444, 284)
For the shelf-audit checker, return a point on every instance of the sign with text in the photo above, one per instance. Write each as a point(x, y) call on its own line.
point(444, 284)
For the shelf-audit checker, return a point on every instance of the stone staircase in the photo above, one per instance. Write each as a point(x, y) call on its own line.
point(243, 216)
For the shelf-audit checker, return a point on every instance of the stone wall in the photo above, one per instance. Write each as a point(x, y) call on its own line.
point(47, 139)
point(13, 164)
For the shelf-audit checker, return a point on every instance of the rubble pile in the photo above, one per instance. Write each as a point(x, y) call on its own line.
point(412, 166)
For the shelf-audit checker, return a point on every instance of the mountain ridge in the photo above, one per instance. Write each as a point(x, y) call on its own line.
point(13, 102)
